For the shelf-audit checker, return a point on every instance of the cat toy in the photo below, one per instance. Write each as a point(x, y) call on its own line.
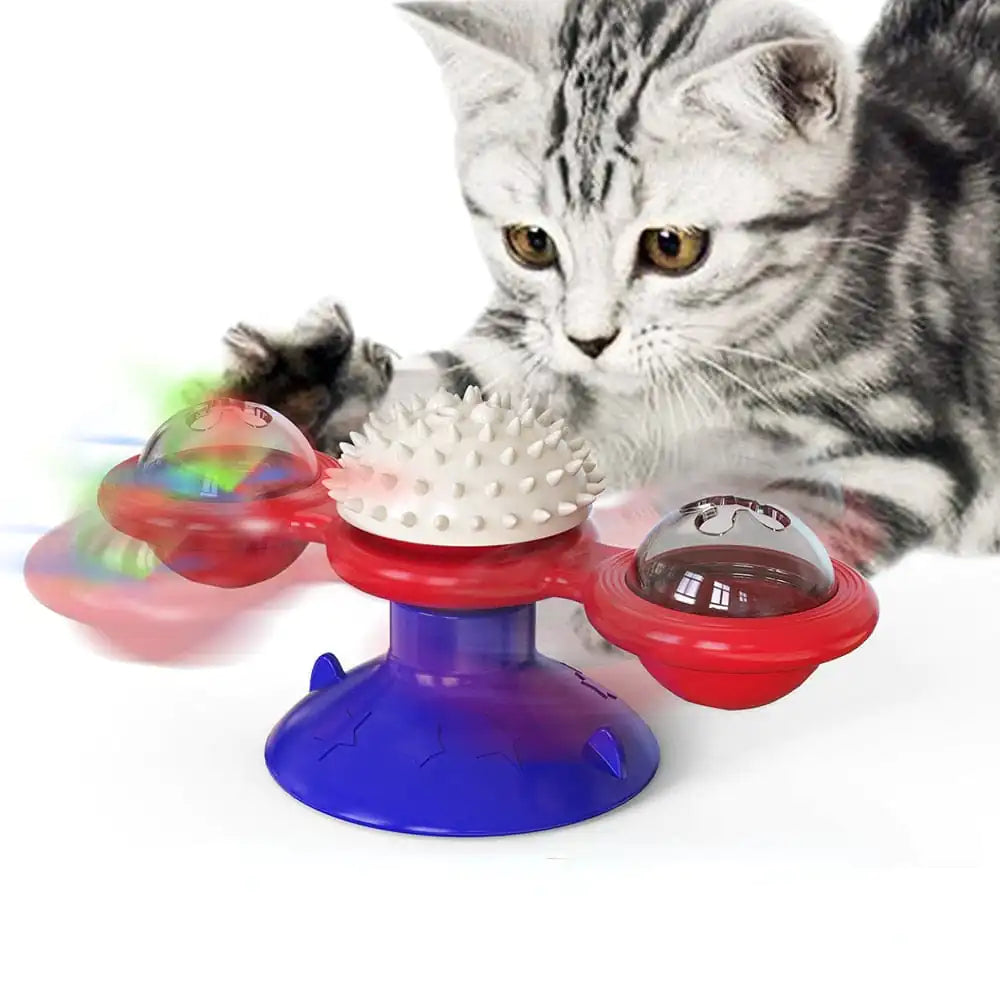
point(463, 513)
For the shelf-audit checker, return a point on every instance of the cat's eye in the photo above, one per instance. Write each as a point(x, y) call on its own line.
point(530, 247)
point(674, 250)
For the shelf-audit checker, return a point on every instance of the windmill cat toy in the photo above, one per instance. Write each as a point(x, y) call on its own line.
point(463, 513)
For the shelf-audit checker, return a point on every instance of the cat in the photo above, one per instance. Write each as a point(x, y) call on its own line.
point(708, 221)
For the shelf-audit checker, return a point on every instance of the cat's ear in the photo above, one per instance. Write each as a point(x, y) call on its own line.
point(487, 50)
point(774, 90)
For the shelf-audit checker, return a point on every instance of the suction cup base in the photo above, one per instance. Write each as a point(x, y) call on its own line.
point(461, 730)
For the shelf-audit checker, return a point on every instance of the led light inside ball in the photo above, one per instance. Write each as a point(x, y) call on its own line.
point(227, 451)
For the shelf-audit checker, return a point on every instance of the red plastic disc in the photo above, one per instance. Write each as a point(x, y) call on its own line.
point(458, 578)
point(725, 662)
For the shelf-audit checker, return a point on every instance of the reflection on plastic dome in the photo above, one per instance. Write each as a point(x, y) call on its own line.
point(730, 557)
point(228, 450)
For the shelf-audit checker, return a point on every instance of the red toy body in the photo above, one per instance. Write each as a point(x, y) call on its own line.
point(779, 636)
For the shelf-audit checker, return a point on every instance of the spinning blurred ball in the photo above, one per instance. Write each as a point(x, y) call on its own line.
point(226, 450)
point(731, 557)
point(211, 490)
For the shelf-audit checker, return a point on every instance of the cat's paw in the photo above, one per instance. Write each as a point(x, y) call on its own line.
point(590, 640)
point(320, 375)
point(326, 320)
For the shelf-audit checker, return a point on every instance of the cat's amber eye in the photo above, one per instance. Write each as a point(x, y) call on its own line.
point(674, 250)
point(531, 247)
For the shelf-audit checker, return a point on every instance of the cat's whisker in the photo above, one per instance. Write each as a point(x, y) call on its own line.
point(914, 253)
point(742, 383)
point(670, 386)
point(696, 398)
point(708, 385)
point(787, 366)
point(672, 373)
point(524, 376)
point(503, 351)
point(682, 402)
point(670, 403)
point(843, 295)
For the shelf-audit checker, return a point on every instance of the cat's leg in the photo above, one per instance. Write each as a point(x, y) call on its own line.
point(327, 380)
point(869, 519)
point(871, 504)
point(871, 531)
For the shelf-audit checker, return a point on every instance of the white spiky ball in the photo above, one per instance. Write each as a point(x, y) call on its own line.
point(469, 472)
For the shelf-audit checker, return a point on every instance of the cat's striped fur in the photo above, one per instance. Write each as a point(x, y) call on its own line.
point(846, 325)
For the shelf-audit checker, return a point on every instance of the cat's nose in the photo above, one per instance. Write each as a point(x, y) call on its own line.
point(594, 347)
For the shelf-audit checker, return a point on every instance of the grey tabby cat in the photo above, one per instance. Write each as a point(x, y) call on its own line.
point(708, 222)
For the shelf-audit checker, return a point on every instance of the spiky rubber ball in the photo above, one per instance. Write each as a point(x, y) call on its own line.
point(465, 471)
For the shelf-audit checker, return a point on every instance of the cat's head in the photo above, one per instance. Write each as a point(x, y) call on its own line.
point(648, 178)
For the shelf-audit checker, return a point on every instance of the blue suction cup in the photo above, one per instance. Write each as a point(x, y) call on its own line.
point(462, 729)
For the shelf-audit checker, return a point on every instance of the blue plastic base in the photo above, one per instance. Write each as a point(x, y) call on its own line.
point(463, 730)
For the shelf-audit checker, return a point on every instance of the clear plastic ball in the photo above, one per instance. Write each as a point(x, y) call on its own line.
point(733, 557)
point(227, 450)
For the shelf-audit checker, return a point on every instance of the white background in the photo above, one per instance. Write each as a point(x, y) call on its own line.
point(168, 169)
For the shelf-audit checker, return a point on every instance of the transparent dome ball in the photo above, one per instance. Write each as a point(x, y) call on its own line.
point(733, 557)
point(228, 450)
